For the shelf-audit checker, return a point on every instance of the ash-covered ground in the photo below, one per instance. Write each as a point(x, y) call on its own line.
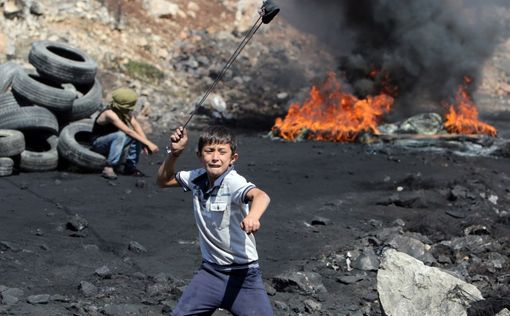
point(74, 243)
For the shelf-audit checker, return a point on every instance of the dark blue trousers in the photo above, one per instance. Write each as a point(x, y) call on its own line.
point(241, 292)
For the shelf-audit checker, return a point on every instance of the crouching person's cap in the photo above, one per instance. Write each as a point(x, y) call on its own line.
point(124, 98)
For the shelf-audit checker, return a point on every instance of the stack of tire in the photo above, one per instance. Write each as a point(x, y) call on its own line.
point(45, 113)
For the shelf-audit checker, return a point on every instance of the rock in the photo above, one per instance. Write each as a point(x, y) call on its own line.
point(270, 290)
point(458, 192)
point(8, 300)
point(475, 244)
point(7, 245)
point(77, 223)
point(407, 287)
point(161, 8)
point(282, 96)
point(123, 310)
point(413, 199)
point(375, 223)
point(162, 277)
point(39, 299)
point(318, 220)
point(351, 279)
point(245, 14)
point(367, 261)
point(87, 289)
point(216, 107)
point(496, 260)
point(476, 230)
point(280, 306)
point(103, 272)
point(312, 306)
point(12, 9)
point(193, 6)
point(168, 307)
point(160, 288)
point(504, 312)
point(10, 296)
point(412, 247)
point(36, 8)
point(399, 222)
point(136, 247)
point(299, 282)
point(493, 199)
point(372, 296)
point(59, 298)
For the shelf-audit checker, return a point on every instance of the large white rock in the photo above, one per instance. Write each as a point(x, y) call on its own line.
point(408, 287)
point(246, 14)
point(161, 8)
point(504, 312)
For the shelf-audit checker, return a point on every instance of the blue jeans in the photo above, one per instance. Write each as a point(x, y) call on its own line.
point(113, 145)
point(241, 292)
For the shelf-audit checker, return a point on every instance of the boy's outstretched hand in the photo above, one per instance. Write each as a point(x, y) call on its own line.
point(178, 141)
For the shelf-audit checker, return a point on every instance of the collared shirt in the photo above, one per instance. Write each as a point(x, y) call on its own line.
point(219, 211)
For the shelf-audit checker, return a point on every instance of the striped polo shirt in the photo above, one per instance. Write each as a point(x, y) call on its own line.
point(219, 212)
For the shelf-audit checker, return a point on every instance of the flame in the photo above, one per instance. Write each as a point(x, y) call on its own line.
point(331, 114)
point(462, 117)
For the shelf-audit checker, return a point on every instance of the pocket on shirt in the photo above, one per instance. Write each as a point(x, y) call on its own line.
point(218, 207)
point(222, 208)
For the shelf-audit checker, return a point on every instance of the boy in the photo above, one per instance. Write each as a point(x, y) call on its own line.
point(116, 128)
point(229, 276)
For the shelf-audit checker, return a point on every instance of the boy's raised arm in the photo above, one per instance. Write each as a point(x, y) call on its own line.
point(166, 172)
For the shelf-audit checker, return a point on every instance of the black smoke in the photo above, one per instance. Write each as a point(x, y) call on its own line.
point(425, 47)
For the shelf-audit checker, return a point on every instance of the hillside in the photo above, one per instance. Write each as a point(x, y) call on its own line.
point(172, 59)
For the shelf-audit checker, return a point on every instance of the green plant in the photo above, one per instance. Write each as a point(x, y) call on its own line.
point(144, 71)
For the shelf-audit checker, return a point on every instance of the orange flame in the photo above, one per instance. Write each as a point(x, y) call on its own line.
point(462, 117)
point(332, 115)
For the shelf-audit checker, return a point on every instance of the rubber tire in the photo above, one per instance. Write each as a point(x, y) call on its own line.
point(7, 72)
point(41, 161)
point(87, 105)
point(30, 118)
point(81, 156)
point(36, 90)
point(8, 103)
point(12, 142)
point(6, 165)
point(62, 63)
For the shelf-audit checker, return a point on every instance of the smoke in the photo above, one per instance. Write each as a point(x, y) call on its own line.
point(425, 47)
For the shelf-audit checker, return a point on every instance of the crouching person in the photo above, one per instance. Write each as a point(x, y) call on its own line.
point(115, 129)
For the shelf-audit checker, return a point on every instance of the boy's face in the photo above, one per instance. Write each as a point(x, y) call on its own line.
point(216, 158)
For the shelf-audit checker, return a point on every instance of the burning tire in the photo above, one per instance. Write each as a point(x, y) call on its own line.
point(6, 165)
point(85, 106)
point(30, 118)
point(12, 142)
point(35, 89)
point(62, 63)
point(7, 72)
point(74, 143)
point(40, 154)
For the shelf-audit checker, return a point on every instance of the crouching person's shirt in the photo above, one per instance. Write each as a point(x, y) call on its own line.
point(219, 212)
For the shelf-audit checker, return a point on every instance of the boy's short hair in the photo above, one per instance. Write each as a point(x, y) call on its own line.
point(217, 135)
